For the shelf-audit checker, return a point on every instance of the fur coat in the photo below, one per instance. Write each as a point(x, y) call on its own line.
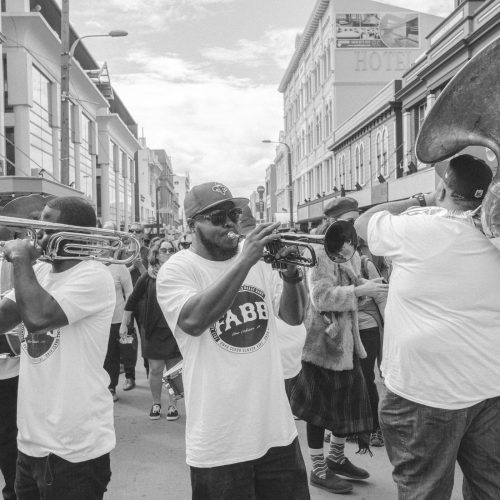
point(332, 315)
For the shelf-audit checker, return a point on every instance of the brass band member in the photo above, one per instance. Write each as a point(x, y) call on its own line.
point(65, 411)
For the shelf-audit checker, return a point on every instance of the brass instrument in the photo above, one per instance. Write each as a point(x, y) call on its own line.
point(466, 114)
point(339, 242)
point(77, 242)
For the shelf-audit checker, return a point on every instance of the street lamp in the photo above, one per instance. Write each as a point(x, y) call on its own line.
point(66, 57)
point(290, 183)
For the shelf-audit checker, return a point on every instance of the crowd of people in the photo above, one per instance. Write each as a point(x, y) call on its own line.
point(263, 345)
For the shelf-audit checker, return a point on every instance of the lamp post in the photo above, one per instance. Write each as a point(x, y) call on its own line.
point(158, 187)
point(289, 168)
point(66, 57)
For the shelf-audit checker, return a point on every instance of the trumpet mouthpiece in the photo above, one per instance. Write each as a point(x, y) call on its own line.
point(232, 235)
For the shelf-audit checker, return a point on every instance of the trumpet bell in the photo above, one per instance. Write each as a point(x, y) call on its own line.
point(341, 241)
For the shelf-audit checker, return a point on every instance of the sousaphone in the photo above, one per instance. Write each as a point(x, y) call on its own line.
point(467, 113)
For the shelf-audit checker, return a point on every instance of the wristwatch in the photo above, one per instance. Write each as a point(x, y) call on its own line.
point(420, 198)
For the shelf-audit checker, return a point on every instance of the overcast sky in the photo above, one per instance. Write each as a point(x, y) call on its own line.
point(200, 77)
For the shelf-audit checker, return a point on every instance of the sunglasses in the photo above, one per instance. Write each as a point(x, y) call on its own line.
point(218, 217)
point(166, 250)
point(137, 231)
point(184, 244)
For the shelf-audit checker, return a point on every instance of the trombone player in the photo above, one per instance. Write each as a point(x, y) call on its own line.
point(65, 411)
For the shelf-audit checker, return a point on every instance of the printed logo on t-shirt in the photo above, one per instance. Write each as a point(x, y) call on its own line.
point(244, 327)
point(40, 346)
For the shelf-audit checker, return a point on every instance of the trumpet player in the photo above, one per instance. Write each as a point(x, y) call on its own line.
point(241, 438)
point(442, 344)
point(65, 411)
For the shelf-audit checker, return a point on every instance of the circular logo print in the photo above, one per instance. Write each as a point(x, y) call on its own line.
point(244, 327)
point(39, 346)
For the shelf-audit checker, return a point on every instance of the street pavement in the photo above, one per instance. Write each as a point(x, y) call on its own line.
point(149, 459)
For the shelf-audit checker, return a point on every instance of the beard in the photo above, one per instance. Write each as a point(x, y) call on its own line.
point(216, 251)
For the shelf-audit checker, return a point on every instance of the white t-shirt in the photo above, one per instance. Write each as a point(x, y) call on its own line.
point(236, 403)
point(9, 366)
point(123, 288)
point(442, 320)
point(291, 342)
point(64, 406)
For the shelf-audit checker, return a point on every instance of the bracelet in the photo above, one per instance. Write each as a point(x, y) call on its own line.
point(420, 198)
point(291, 279)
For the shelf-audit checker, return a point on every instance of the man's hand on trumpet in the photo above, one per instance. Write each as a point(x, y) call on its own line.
point(20, 249)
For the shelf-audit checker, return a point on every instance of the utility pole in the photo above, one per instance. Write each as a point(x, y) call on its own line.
point(65, 68)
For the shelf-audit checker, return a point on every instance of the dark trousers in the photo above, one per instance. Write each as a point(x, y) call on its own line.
point(371, 341)
point(424, 443)
point(8, 434)
point(128, 353)
point(112, 359)
point(279, 475)
point(53, 478)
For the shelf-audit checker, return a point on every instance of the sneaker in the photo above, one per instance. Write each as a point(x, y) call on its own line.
point(155, 412)
point(377, 439)
point(331, 483)
point(172, 413)
point(129, 384)
point(347, 469)
point(113, 393)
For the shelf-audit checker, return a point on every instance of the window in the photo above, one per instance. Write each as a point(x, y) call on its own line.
point(309, 138)
point(385, 153)
point(379, 153)
point(318, 134)
point(362, 164)
point(343, 176)
point(86, 181)
point(419, 116)
point(40, 129)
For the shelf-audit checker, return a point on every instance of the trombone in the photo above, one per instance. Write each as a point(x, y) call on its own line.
point(77, 242)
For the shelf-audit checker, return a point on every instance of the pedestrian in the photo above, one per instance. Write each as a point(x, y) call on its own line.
point(330, 392)
point(441, 342)
point(123, 288)
point(129, 350)
point(65, 411)
point(241, 439)
point(160, 347)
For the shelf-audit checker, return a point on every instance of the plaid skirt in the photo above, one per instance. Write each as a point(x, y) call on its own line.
point(334, 400)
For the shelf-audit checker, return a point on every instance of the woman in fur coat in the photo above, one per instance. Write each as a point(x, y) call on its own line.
point(330, 391)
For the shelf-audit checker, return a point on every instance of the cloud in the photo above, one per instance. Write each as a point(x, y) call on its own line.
point(211, 127)
point(274, 47)
point(436, 7)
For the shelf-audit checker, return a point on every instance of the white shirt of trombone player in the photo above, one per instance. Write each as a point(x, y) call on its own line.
point(64, 406)
point(9, 366)
point(441, 336)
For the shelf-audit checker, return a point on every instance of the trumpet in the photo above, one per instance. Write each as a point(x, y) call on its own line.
point(339, 242)
point(77, 242)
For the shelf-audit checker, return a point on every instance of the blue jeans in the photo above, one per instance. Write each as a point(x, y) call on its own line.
point(423, 444)
point(279, 475)
point(53, 478)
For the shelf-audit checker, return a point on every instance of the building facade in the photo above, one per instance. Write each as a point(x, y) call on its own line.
point(348, 52)
point(103, 134)
point(372, 151)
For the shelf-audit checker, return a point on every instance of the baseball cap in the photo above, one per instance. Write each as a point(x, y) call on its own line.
point(466, 176)
point(209, 195)
point(340, 206)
